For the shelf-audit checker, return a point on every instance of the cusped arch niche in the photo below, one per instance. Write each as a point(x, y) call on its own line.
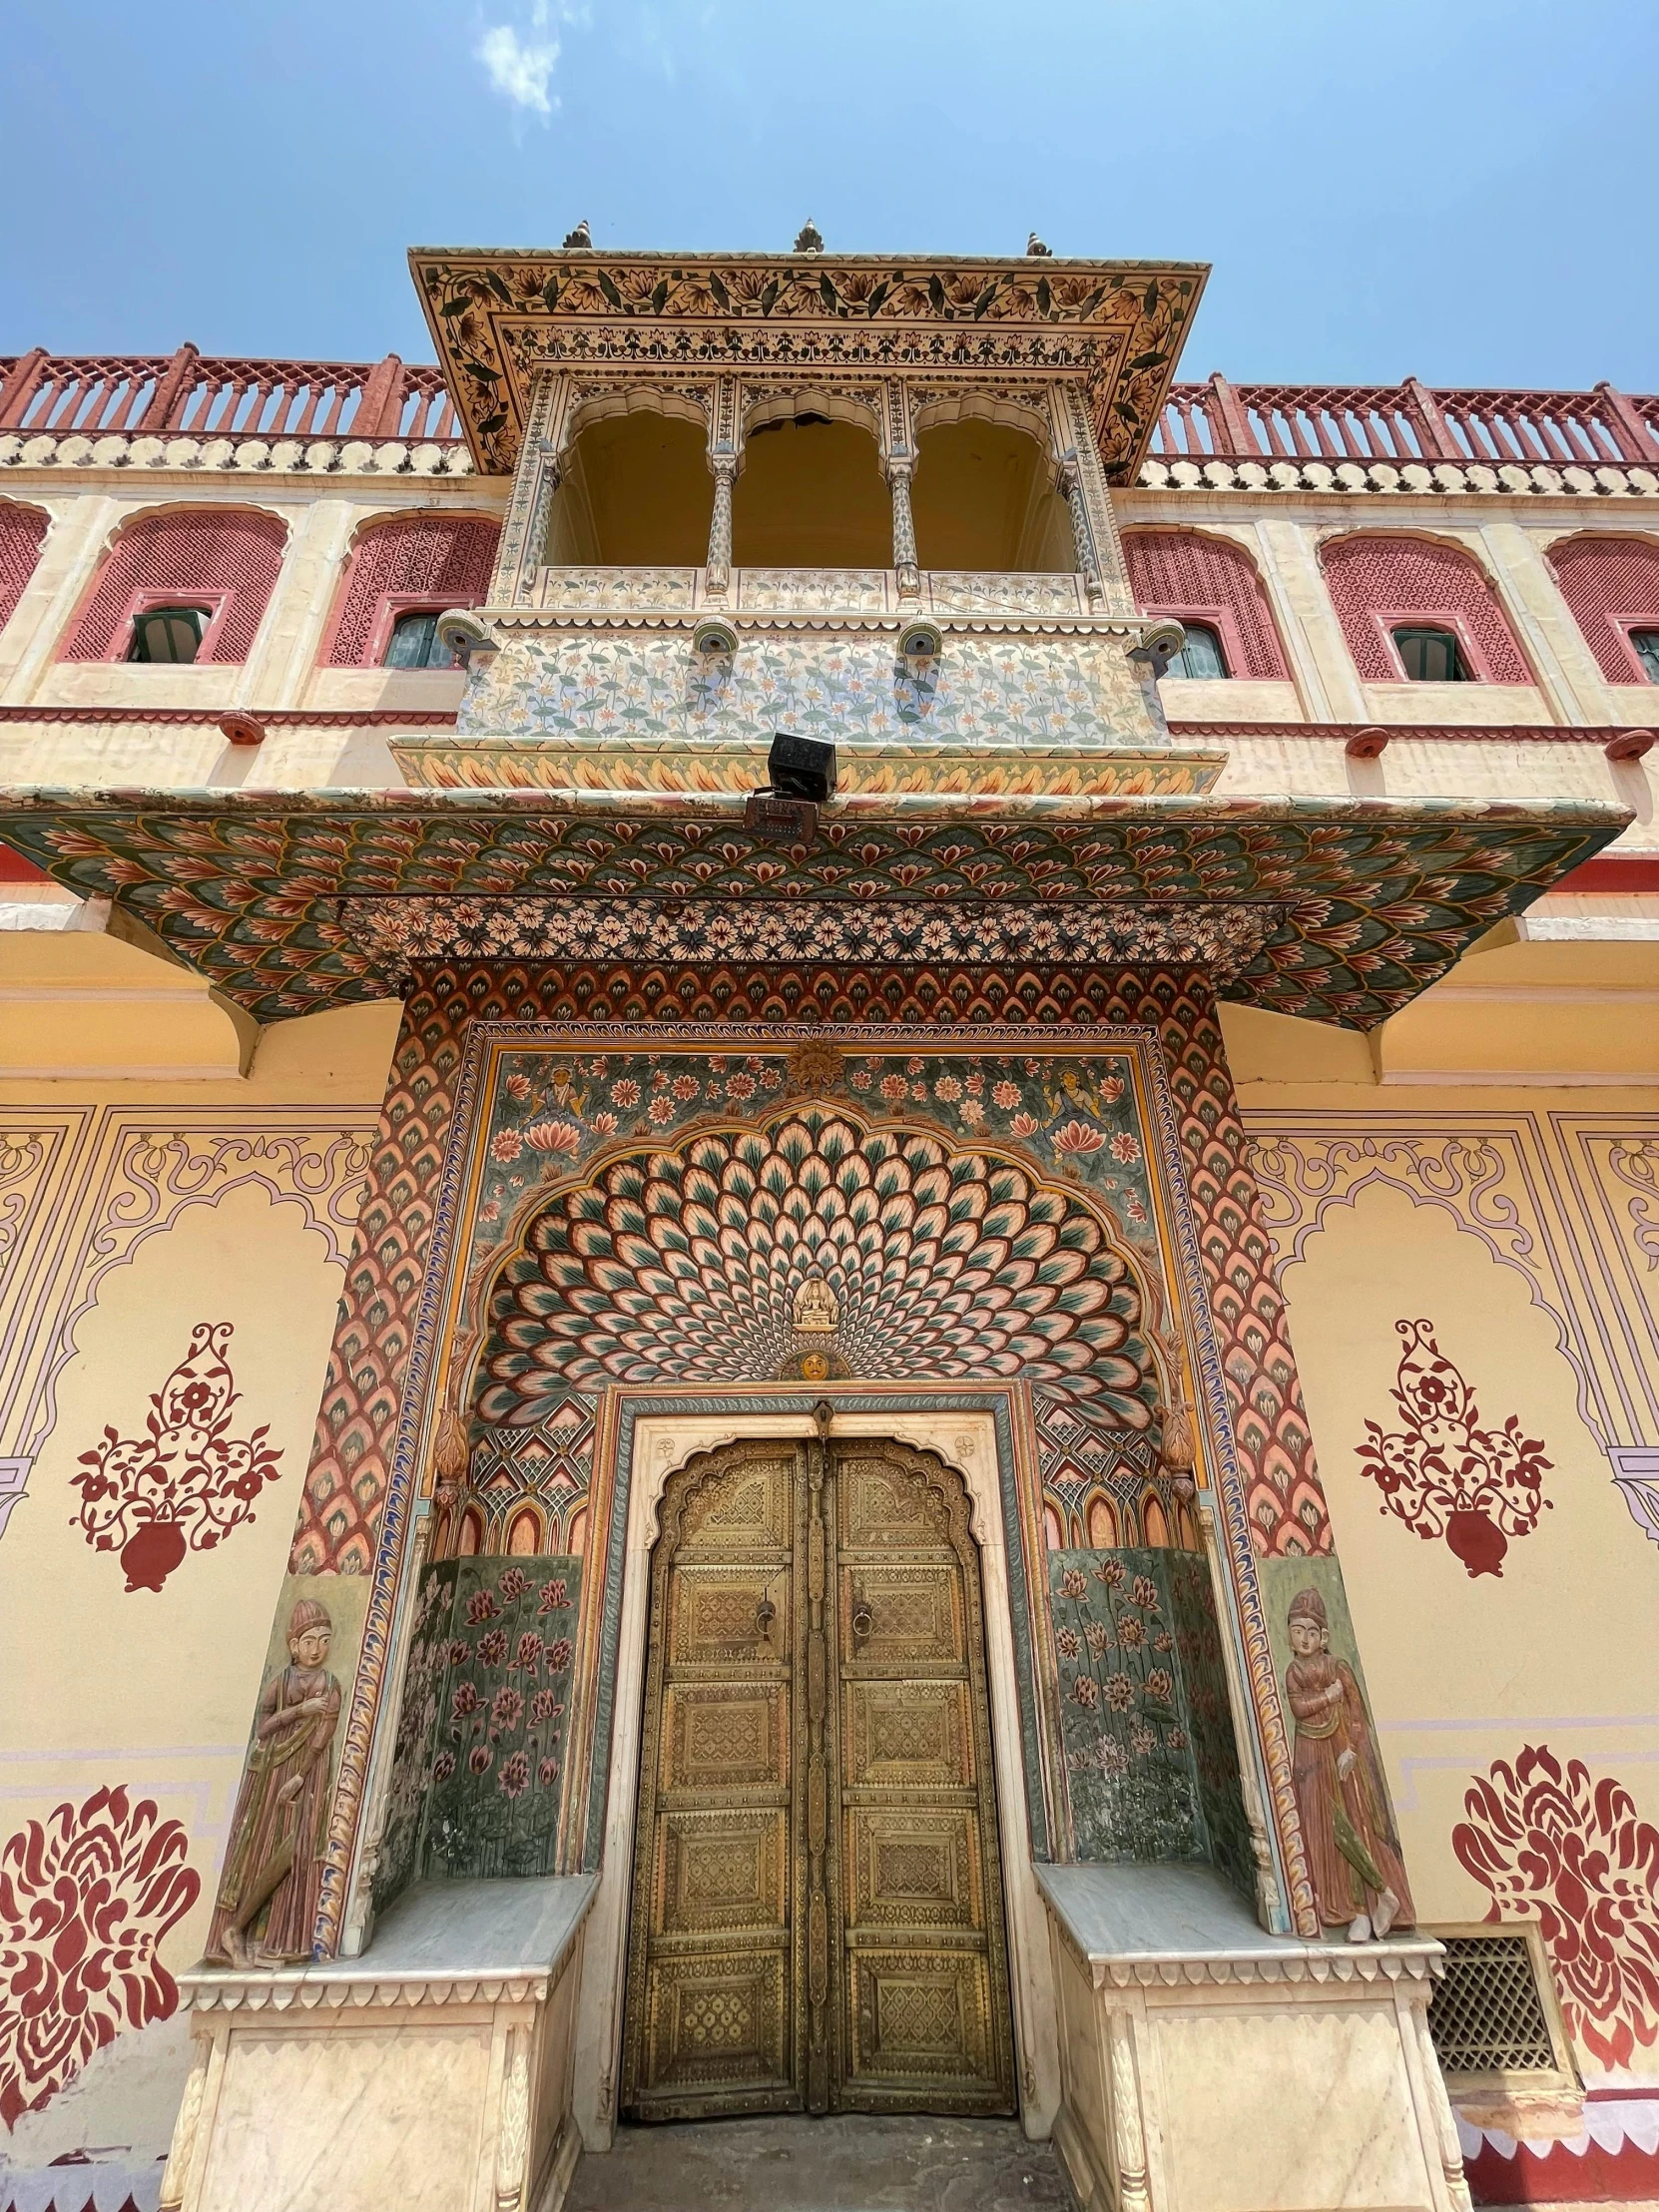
point(884, 1253)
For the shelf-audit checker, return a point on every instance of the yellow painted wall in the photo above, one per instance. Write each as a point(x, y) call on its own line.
point(1525, 1228)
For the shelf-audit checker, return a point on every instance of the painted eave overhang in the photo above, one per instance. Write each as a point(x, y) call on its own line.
point(498, 316)
point(1342, 909)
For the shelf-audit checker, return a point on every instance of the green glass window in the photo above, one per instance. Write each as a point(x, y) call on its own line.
point(414, 643)
point(168, 634)
point(1430, 656)
point(1201, 655)
point(1645, 645)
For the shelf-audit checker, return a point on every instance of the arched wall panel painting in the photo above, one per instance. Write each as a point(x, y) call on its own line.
point(1517, 1723)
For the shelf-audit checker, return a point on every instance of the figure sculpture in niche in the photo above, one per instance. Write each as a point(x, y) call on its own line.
point(816, 1310)
point(274, 1864)
point(1346, 1819)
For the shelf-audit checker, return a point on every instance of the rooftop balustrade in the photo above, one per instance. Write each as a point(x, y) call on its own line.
point(190, 395)
point(1405, 424)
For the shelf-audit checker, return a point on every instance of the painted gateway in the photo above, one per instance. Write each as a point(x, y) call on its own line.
point(743, 1350)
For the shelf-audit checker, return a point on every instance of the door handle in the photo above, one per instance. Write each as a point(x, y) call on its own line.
point(765, 1614)
point(864, 1620)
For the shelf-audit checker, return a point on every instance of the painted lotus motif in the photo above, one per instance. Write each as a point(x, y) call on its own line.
point(1553, 1847)
point(85, 1901)
point(689, 1264)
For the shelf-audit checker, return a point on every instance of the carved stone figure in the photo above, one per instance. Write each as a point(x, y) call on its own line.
point(1346, 1821)
point(273, 1865)
point(814, 1307)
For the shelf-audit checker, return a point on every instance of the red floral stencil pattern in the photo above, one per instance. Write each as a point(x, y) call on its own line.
point(85, 1901)
point(1575, 1857)
point(186, 1482)
point(1442, 1473)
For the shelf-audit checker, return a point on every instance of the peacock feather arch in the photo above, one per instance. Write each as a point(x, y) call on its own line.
point(686, 1263)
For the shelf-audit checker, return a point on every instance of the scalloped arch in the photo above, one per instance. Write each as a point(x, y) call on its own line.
point(683, 1264)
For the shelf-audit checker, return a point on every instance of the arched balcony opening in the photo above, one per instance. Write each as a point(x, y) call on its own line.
point(810, 495)
point(984, 500)
point(635, 492)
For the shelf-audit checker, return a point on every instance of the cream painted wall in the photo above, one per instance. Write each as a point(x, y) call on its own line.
point(151, 1690)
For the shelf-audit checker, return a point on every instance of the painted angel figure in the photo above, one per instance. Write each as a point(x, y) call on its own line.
point(282, 1816)
point(1346, 1821)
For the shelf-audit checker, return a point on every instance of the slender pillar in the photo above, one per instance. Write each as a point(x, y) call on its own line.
point(725, 462)
point(898, 466)
point(523, 547)
point(1082, 481)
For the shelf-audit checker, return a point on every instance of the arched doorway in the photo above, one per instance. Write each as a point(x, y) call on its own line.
point(816, 1922)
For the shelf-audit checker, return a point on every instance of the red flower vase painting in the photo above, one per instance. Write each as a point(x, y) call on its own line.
point(187, 1481)
point(1441, 1472)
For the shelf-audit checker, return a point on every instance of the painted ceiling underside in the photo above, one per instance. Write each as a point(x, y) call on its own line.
point(264, 892)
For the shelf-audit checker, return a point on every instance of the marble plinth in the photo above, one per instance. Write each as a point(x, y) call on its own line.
point(1209, 2067)
point(432, 2073)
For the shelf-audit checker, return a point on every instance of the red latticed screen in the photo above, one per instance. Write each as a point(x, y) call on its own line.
point(444, 558)
point(1181, 573)
point(1376, 581)
point(1610, 584)
point(22, 534)
point(185, 551)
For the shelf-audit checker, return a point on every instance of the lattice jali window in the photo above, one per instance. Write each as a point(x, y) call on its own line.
point(1493, 2015)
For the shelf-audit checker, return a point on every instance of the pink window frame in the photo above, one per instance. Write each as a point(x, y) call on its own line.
point(393, 606)
point(1441, 618)
point(1623, 625)
point(1226, 624)
point(214, 604)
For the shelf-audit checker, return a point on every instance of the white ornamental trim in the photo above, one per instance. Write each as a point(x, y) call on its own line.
point(1415, 480)
point(238, 457)
point(337, 1990)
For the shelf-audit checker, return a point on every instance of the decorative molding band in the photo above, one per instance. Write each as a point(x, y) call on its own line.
point(395, 932)
point(237, 456)
point(1358, 1963)
point(1411, 479)
point(306, 1991)
point(277, 717)
point(1417, 732)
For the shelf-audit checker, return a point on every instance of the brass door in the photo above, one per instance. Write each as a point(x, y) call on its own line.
point(818, 1902)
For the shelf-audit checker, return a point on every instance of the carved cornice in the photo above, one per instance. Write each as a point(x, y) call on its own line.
point(339, 1990)
point(1340, 1966)
point(500, 316)
point(236, 456)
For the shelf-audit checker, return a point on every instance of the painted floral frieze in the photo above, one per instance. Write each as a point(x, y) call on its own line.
point(1070, 691)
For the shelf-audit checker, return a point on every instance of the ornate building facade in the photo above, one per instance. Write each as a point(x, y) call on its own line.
point(981, 1441)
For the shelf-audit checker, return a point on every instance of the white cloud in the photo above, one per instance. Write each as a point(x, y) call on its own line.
point(521, 69)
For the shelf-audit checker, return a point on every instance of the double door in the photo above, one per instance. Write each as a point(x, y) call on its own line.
point(816, 1917)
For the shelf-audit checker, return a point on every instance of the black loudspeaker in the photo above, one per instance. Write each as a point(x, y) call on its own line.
point(801, 768)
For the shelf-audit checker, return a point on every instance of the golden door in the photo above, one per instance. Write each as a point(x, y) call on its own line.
point(817, 1920)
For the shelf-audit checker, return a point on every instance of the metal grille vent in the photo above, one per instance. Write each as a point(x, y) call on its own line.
point(1487, 2014)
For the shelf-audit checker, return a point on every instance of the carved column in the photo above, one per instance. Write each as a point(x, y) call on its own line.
point(1082, 480)
point(725, 462)
point(523, 546)
point(898, 466)
point(1128, 2134)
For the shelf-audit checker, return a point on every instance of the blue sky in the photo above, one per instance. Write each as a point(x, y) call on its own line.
point(1460, 189)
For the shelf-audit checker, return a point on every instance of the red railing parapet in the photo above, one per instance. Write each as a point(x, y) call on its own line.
point(1405, 424)
point(191, 396)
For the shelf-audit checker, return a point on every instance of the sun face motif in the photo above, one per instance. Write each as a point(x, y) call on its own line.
point(695, 1264)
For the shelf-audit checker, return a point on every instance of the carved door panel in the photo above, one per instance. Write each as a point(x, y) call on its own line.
point(714, 1975)
point(926, 1983)
point(817, 1918)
